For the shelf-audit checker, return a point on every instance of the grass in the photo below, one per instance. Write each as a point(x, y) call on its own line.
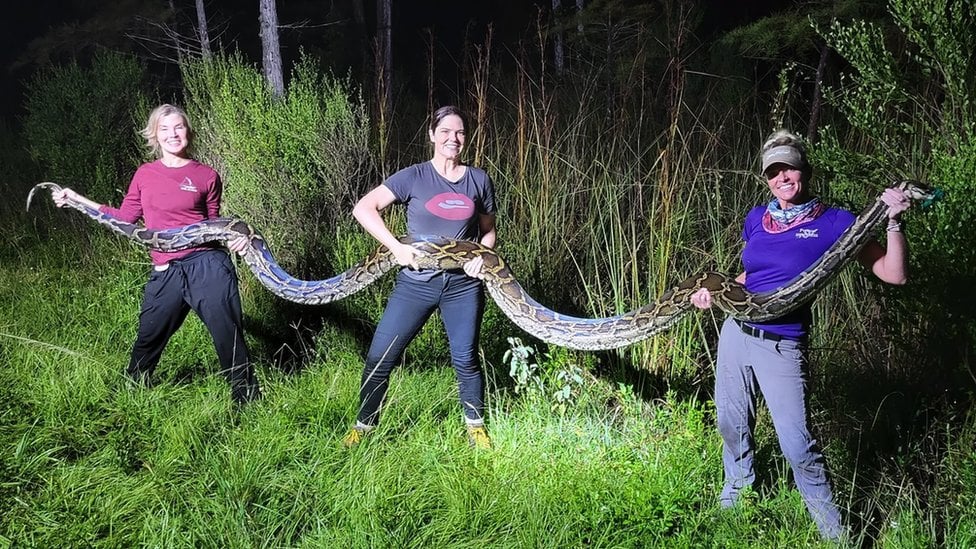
point(622, 463)
point(89, 462)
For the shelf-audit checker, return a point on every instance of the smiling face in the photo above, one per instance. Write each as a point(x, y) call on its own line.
point(172, 135)
point(448, 137)
point(787, 184)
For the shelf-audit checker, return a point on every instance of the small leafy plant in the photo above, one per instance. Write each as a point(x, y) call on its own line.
point(558, 377)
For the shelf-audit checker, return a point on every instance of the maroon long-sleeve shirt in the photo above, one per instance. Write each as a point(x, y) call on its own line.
point(168, 198)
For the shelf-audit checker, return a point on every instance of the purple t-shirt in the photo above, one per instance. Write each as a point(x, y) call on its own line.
point(438, 207)
point(773, 260)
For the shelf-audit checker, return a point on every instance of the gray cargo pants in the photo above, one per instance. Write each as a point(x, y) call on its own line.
point(749, 364)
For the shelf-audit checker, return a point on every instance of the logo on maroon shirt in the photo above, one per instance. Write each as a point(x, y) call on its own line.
point(187, 185)
point(451, 206)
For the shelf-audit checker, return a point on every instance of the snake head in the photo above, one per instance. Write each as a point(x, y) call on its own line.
point(937, 194)
point(920, 192)
point(54, 187)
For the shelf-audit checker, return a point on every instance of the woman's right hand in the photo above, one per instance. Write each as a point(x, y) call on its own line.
point(62, 197)
point(702, 298)
point(406, 255)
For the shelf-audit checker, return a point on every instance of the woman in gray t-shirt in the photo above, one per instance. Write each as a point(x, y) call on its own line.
point(443, 197)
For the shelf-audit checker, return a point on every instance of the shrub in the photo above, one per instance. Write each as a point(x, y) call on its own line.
point(80, 124)
point(910, 113)
point(291, 166)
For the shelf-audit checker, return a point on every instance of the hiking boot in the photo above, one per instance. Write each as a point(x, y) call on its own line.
point(355, 435)
point(478, 438)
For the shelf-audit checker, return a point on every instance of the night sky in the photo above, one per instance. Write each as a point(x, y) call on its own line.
point(448, 21)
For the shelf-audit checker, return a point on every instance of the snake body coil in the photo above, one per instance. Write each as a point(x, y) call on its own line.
point(505, 290)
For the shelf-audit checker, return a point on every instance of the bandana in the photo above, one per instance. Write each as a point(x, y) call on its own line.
point(777, 220)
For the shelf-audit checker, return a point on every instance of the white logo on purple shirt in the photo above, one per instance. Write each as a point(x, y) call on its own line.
point(807, 233)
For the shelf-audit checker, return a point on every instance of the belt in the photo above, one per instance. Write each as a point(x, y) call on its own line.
point(761, 334)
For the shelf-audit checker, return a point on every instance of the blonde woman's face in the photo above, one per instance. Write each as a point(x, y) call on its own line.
point(171, 134)
point(786, 184)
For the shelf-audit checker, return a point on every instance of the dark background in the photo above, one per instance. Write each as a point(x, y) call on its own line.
point(37, 32)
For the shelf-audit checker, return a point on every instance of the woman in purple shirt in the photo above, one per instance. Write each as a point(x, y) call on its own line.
point(782, 239)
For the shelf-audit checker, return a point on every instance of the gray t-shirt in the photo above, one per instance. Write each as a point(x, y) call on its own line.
point(438, 207)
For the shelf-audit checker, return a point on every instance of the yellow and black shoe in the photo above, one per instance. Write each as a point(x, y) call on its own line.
point(478, 437)
point(355, 435)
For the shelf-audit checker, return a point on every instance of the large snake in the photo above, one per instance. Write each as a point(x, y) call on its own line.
point(521, 308)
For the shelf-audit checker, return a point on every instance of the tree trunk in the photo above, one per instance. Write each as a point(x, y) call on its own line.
point(202, 30)
point(176, 34)
point(384, 53)
point(359, 16)
point(557, 42)
point(362, 35)
point(271, 50)
point(813, 129)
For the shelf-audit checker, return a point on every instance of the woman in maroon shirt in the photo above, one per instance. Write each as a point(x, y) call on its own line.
point(173, 191)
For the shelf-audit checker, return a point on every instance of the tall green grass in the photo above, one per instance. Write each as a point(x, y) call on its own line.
point(89, 462)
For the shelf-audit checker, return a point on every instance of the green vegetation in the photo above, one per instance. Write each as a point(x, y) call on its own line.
point(607, 197)
point(76, 136)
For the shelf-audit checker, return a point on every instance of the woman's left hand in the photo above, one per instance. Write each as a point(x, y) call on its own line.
point(473, 268)
point(897, 202)
point(238, 245)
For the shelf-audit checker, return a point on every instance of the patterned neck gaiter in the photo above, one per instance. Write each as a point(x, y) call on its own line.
point(777, 220)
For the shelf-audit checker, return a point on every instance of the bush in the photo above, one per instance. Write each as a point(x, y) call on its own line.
point(911, 114)
point(907, 114)
point(80, 124)
point(292, 166)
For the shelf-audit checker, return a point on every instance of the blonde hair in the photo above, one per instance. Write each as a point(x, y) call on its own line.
point(785, 137)
point(157, 114)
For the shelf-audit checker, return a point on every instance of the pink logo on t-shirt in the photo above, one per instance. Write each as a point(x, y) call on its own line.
point(451, 206)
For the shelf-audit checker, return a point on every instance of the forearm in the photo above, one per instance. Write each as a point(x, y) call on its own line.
point(87, 202)
point(488, 239)
point(890, 264)
point(373, 223)
point(486, 226)
point(892, 267)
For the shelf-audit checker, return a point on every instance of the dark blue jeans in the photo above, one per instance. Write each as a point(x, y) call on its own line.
point(461, 302)
point(205, 282)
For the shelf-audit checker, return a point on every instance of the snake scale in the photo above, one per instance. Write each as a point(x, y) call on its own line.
point(536, 319)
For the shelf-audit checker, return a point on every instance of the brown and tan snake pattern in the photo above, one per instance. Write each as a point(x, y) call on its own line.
point(504, 288)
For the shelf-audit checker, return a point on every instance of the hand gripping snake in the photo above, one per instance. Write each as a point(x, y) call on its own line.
point(542, 322)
